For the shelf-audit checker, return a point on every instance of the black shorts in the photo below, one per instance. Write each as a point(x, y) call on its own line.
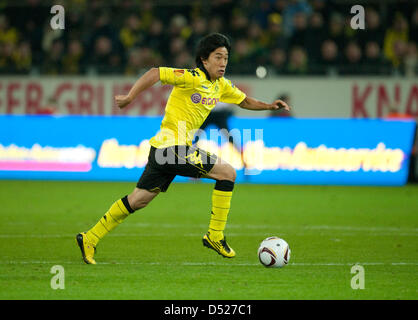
point(166, 163)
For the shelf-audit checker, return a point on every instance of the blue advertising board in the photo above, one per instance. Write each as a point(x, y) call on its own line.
point(270, 150)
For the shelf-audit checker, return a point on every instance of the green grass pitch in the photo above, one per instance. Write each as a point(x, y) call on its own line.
point(157, 253)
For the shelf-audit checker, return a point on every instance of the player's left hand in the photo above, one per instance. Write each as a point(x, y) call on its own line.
point(280, 104)
point(122, 101)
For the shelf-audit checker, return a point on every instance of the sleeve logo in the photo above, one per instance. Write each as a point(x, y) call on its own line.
point(179, 72)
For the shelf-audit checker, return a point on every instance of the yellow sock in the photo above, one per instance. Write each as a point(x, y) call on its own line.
point(113, 217)
point(221, 202)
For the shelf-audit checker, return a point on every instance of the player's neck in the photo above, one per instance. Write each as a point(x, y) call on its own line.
point(207, 74)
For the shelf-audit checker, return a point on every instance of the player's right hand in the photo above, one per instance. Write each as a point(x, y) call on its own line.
point(122, 101)
point(280, 104)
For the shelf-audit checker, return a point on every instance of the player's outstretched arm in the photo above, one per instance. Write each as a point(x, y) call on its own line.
point(146, 81)
point(254, 104)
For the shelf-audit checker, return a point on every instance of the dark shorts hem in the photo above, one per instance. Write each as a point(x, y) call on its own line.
point(164, 164)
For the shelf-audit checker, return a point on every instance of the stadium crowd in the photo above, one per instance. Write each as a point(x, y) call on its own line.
point(288, 37)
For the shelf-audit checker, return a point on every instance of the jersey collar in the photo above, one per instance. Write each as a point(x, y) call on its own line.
point(204, 71)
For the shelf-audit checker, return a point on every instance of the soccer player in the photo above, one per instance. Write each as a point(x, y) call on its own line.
point(195, 94)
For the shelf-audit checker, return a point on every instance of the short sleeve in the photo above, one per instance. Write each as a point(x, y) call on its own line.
point(182, 78)
point(231, 94)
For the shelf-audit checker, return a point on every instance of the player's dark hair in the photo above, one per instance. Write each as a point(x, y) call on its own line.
point(209, 44)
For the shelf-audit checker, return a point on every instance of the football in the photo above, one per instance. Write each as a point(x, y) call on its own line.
point(274, 252)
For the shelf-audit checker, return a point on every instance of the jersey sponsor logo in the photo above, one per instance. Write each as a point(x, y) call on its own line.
point(179, 72)
point(196, 97)
point(210, 101)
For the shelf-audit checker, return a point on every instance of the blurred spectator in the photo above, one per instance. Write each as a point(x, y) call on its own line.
point(6, 57)
point(199, 27)
point(278, 60)
point(330, 59)
point(104, 57)
point(279, 6)
point(298, 62)
point(262, 12)
point(155, 38)
point(8, 34)
point(33, 33)
point(131, 35)
point(395, 42)
point(146, 13)
point(178, 27)
point(411, 60)
point(374, 63)
point(216, 24)
point(256, 48)
point(239, 24)
point(293, 7)
point(321, 7)
point(50, 37)
point(72, 61)
point(8, 45)
point(315, 36)
point(105, 48)
point(273, 36)
point(351, 34)
point(103, 27)
point(336, 30)
point(74, 21)
point(134, 65)
point(374, 30)
point(184, 60)
point(52, 64)
point(240, 60)
point(23, 57)
point(300, 30)
point(29, 20)
point(140, 59)
point(102, 50)
point(223, 8)
point(177, 46)
point(352, 60)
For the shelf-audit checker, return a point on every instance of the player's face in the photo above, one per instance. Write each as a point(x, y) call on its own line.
point(216, 63)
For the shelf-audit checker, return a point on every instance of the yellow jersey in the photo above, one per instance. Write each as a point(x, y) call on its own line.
point(190, 102)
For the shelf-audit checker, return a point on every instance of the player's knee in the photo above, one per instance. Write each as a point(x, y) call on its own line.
point(229, 173)
point(234, 174)
point(139, 199)
point(139, 202)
